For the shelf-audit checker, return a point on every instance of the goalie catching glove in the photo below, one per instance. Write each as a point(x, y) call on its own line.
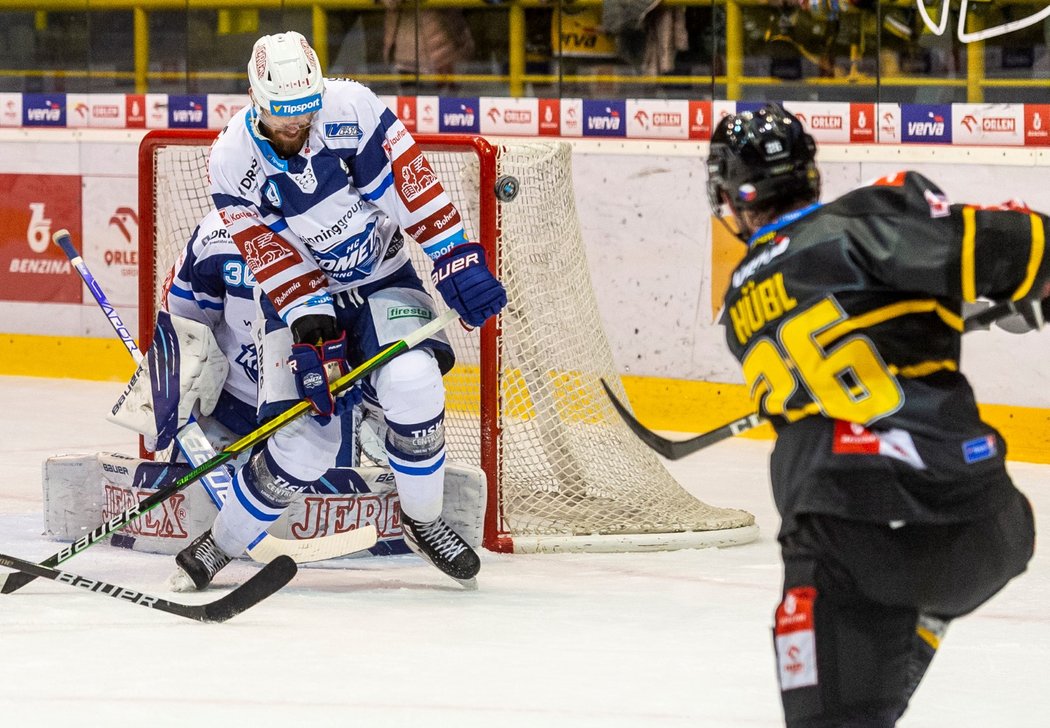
point(319, 358)
point(463, 279)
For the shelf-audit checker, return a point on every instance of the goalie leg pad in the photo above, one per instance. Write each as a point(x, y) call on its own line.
point(413, 399)
point(184, 367)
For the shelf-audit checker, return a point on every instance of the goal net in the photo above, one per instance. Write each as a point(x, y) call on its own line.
point(524, 402)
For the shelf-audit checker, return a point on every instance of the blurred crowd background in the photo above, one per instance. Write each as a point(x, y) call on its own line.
point(814, 50)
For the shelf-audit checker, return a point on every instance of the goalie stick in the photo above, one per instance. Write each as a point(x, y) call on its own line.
point(12, 582)
point(677, 449)
point(196, 448)
point(262, 584)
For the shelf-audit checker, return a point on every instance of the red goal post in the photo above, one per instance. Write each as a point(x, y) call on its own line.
point(524, 402)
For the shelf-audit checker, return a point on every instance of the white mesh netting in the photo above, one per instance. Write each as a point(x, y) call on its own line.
point(570, 474)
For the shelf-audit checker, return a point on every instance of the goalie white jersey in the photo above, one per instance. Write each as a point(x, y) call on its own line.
point(210, 283)
point(330, 217)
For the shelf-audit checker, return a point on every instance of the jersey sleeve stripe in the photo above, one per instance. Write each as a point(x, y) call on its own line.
point(1035, 257)
point(969, 272)
point(380, 190)
point(180, 293)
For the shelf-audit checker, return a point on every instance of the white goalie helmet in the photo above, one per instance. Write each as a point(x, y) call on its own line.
point(285, 76)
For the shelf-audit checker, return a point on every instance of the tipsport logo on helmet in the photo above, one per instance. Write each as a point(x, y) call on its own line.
point(295, 108)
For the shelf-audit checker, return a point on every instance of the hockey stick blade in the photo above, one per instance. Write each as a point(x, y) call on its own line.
point(676, 449)
point(262, 584)
point(319, 548)
point(8, 585)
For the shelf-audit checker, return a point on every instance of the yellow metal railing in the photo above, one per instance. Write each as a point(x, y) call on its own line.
point(516, 78)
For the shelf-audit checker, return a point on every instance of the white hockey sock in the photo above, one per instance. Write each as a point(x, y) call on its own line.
point(255, 500)
point(413, 399)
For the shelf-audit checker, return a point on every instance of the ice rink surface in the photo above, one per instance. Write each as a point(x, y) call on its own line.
point(655, 640)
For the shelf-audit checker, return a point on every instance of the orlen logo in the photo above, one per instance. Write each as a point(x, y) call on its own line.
point(122, 219)
point(666, 118)
point(105, 111)
point(517, 116)
point(463, 117)
point(659, 119)
point(828, 122)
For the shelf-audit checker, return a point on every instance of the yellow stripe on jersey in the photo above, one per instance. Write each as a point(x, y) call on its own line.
point(1035, 257)
point(969, 271)
point(886, 313)
point(925, 369)
point(928, 637)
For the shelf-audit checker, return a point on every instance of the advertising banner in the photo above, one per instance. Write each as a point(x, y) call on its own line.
point(32, 207)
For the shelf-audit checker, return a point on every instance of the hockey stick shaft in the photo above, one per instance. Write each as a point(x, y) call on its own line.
point(676, 449)
point(197, 449)
point(248, 441)
point(263, 583)
point(63, 240)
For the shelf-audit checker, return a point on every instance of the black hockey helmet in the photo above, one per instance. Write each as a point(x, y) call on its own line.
point(761, 159)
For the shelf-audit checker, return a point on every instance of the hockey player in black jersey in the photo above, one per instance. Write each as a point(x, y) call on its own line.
point(897, 511)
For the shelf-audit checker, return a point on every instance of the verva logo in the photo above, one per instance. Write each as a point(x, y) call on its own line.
point(604, 118)
point(458, 114)
point(927, 124)
point(862, 123)
point(43, 110)
point(187, 112)
point(700, 119)
point(1037, 124)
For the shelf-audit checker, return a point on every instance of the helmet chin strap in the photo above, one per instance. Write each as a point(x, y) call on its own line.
point(740, 233)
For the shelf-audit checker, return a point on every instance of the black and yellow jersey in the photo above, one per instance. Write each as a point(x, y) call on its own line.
point(846, 320)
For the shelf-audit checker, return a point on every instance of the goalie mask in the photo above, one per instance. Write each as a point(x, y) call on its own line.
point(285, 79)
point(761, 160)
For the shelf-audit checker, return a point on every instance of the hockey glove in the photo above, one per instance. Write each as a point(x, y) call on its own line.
point(318, 359)
point(464, 281)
